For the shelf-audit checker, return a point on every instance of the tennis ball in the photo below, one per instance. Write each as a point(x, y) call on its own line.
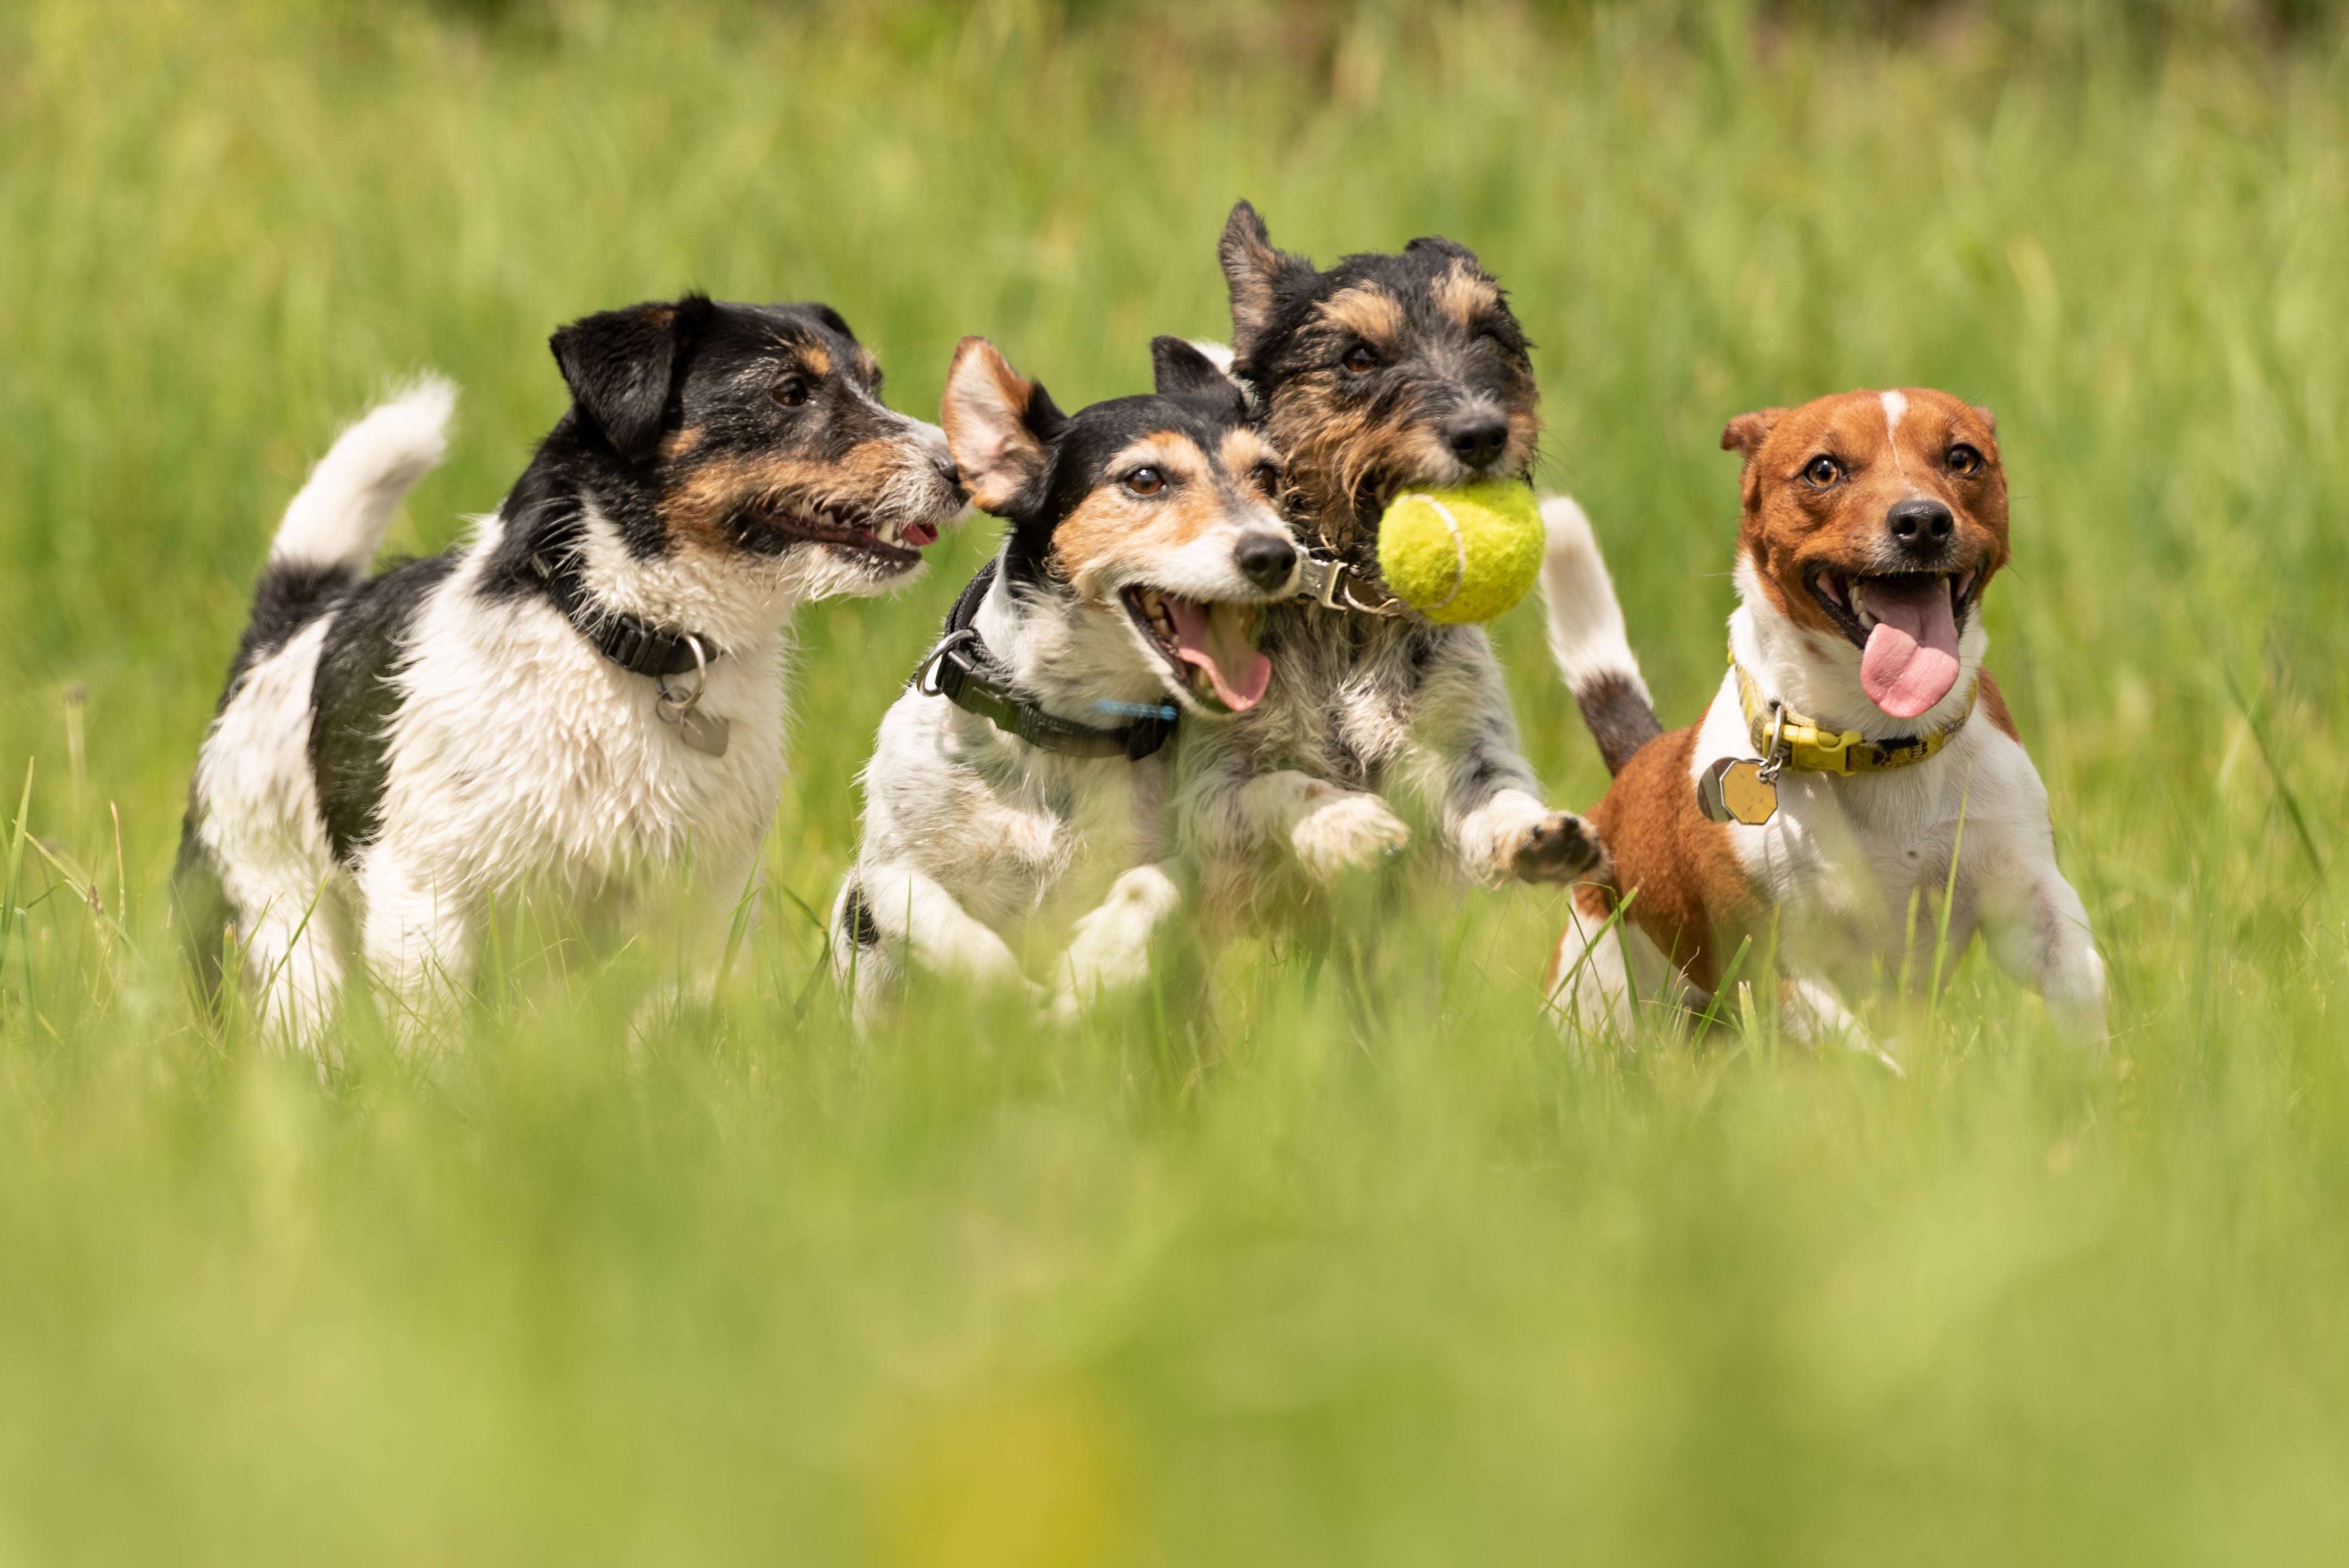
point(1465, 555)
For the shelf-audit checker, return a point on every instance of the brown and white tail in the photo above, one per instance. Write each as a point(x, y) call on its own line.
point(1586, 637)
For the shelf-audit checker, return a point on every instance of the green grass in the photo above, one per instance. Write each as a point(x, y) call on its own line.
point(1358, 1264)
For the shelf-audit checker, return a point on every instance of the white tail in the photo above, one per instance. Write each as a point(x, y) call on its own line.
point(1586, 637)
point(1586, 624)
point(338, 518)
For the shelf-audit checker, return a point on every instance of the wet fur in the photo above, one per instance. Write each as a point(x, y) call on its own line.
point(415, 744)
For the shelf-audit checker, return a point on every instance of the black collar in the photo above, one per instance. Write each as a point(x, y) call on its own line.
point(961, 670)
point(636, 646)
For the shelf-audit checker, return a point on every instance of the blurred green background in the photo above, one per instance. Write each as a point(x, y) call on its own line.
point(1353, 1263)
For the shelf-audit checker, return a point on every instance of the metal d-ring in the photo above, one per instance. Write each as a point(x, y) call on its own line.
point(921, 681)
point(672, 709)
point(1772, 762)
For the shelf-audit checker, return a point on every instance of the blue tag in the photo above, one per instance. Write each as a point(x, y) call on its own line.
point(1135, 709)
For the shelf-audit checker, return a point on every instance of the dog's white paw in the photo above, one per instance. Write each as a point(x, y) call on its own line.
point(1347, 832)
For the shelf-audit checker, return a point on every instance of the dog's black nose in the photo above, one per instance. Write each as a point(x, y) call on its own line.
point(947, 471)
point(1265, 559)
point(1921, 526)
point(1477, 440)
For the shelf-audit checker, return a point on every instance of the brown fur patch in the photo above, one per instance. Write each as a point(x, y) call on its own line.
point(1112, 527)
point(1366, 311)
point(677, 443)
point(1993, 706)
point(1694, 901)
point(815, 358)
point(1243, 452)
point(1466, 294)
point(698, 510)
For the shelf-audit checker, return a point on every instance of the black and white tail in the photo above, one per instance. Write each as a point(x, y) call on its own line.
point(1586, 637)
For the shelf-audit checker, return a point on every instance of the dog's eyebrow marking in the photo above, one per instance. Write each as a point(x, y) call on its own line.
point(1364, 311)
point(1894, 405)
point(816, 358)
point(1465, 295)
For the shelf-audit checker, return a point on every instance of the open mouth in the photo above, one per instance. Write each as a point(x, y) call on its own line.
point(889, 543)
point(1906, 627)
point(1210, 648)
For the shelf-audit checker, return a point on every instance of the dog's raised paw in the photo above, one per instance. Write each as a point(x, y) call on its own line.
point(1351, 830)
point(1560, 848)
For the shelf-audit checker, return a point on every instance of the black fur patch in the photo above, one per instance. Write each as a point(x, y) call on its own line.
point(857, 916)
point(286, 599)
point(352, 701)
point(1619, 718)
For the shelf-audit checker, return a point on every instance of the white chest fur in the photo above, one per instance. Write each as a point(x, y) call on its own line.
point(519, 752)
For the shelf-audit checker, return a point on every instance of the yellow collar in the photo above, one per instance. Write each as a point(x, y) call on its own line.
point(1808, 748)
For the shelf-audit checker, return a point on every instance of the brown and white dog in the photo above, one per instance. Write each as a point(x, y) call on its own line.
point(1873, 521)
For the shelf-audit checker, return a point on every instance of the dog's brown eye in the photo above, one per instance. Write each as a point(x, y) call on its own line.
point(1268, 478)
point(1146, 481)
point(1963, 460)
point(1823, 471)
point(791, 391)
point(1361, 360)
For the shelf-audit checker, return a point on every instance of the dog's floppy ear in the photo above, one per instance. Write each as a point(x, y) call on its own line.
point(1746, 433)
point(621, 365)
point(1183, 370)
point(997, 425)
point(1253, 269)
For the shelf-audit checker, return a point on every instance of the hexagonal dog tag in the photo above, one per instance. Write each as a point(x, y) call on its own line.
point(1734, 790)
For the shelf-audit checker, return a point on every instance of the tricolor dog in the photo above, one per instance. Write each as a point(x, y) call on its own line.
point(587, 691)
point(1855, 748)
point(1028, 766)
point(1383, 374)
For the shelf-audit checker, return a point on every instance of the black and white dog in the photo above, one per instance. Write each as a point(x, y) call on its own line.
point(1028, 768)
point(588, 691)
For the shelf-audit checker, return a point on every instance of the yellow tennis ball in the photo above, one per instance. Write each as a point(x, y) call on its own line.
point(1465, 555)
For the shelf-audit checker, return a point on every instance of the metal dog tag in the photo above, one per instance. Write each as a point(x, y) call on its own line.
point(706, 733)
point(1734, 790)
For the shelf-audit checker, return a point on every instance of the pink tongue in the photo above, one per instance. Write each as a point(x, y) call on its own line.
point(921, 533)
point(1214, 637)
point(1911, 659)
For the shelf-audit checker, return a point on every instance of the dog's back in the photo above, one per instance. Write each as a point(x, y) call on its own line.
point(255, 761)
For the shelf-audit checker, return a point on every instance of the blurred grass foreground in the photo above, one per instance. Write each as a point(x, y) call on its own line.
point(1357, 1263)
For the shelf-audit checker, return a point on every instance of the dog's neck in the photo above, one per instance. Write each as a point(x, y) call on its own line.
point(1817, 672)
point(734, 603)
point(1066, 656)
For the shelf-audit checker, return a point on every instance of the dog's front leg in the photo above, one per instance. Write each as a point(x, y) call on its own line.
point(1331, 830)
point(1464, 756)
point(893, 914)
point(417, 942)
point(2037, 930)
point(1111, 949)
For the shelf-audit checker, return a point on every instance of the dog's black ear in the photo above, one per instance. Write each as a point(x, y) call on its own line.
point(1255, 271)
point(1745, 434)
point(1181, 369)
point(998, 425)
point(621, 366)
